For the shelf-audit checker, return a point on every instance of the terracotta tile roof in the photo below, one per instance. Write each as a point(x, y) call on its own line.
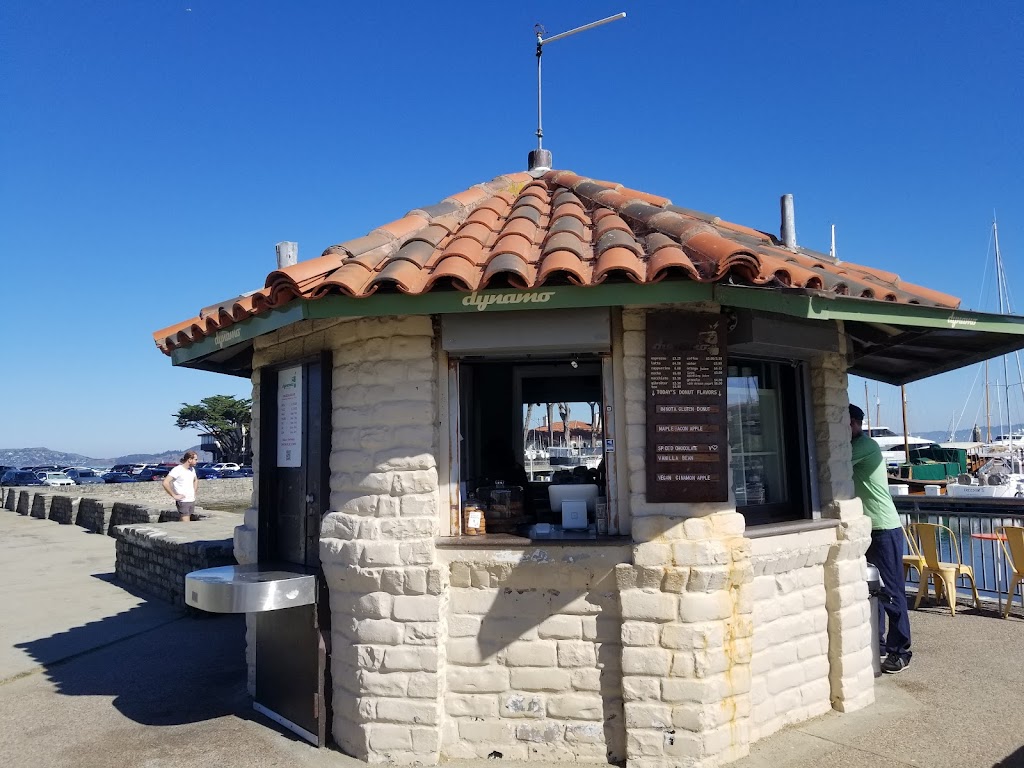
point(559, 228)
point(558, 426)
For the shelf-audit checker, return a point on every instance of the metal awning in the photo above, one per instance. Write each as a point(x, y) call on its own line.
point(888, 341)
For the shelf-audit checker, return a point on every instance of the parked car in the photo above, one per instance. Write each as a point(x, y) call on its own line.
point(231, 473)
point(118, 477)
point(224, 465)
point(207, 473)
point(19, 477)
point(84, 476)
point(152, 473)
point(245, 470)
point(56, 478)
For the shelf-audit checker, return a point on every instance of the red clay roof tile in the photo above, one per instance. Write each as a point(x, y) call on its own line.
point(557, 228)
point(566, 262)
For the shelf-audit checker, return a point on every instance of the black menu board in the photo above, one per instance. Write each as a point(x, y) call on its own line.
point(687, 428)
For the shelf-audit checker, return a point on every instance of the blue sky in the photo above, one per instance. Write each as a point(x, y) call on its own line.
point(154, 152)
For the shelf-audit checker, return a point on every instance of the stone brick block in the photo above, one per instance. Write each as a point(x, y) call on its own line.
point(561, 628)
point(406, 711)
point(385, 738)
point(416, 608)
point(648, 715)
point(602, 679)
point(640, 633)
point(546, 733)
point(636, 688)
point(464, 626)
point(373, 631)
point(412, 659)
point(471, 705)
point(576, 653)
point(648, 606)
point(382, 684)
point(537, 653)
point(421, 632)
point(376, 605)
point(477, 680)
point(467, 651)
point(521, 705)
point(650, 662)
point(539, 679)
point(577, 706)
point(697, 607)
point(488, 732)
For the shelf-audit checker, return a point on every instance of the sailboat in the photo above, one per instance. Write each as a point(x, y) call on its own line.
point(1002, 473)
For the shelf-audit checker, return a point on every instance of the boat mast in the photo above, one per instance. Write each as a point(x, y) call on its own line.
point(1003, 301)
point(906, 439)
point(988, 409)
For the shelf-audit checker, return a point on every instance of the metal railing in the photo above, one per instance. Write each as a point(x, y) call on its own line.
point(966, 517)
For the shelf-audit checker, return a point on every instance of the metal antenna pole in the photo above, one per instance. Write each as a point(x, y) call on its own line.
point(540, 52)
point(541, 42)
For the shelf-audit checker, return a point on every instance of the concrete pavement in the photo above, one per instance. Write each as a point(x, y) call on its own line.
point(92, 676)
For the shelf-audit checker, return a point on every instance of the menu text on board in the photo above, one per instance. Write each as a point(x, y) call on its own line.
point(687, 440)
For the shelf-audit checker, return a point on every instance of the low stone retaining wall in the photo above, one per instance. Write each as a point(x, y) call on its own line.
point(155, 558)
point(154, 550)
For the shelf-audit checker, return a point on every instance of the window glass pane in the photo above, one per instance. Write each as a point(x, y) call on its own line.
point(573, 440)
point(759, 473)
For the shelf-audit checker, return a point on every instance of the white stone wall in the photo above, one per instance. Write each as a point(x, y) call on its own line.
point(789, 667)
point(686, 607)
point(680, 651)
point(534, 655)
point(850, 644)
point(377, 541)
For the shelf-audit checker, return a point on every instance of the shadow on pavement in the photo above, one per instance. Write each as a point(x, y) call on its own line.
point(1016, 760)
point(183, 670)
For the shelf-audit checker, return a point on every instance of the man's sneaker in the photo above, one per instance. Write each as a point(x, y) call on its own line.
point(894, 663)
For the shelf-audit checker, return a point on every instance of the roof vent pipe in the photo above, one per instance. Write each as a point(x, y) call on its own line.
point(287, 254)
point(788, 222)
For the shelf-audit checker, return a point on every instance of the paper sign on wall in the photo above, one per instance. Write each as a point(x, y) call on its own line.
point(289, 417)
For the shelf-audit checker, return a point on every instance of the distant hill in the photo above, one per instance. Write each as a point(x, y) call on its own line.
point(25, 457)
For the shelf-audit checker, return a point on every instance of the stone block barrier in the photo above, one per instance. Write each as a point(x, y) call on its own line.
point(123, 513)
point(64, 509)
point(155, 559)
point(40, 502)
point(153, 550)
point(92, 515)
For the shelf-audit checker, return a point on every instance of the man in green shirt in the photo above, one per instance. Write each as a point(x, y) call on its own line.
point(886, 549)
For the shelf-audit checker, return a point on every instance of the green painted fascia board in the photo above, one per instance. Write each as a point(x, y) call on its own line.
point(556, 297)
point(246, 330)
point(814, 307)
point(795, 304)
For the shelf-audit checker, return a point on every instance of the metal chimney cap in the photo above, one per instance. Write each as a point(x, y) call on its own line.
point(540, 160)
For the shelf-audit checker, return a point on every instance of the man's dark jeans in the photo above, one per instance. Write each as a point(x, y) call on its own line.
point(886, 554)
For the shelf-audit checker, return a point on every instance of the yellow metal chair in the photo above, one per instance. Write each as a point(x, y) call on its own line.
point(944, 574)
point(914, 559)
point(1013, 548)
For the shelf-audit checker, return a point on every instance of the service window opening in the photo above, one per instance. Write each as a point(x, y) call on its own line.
point(531, 444)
